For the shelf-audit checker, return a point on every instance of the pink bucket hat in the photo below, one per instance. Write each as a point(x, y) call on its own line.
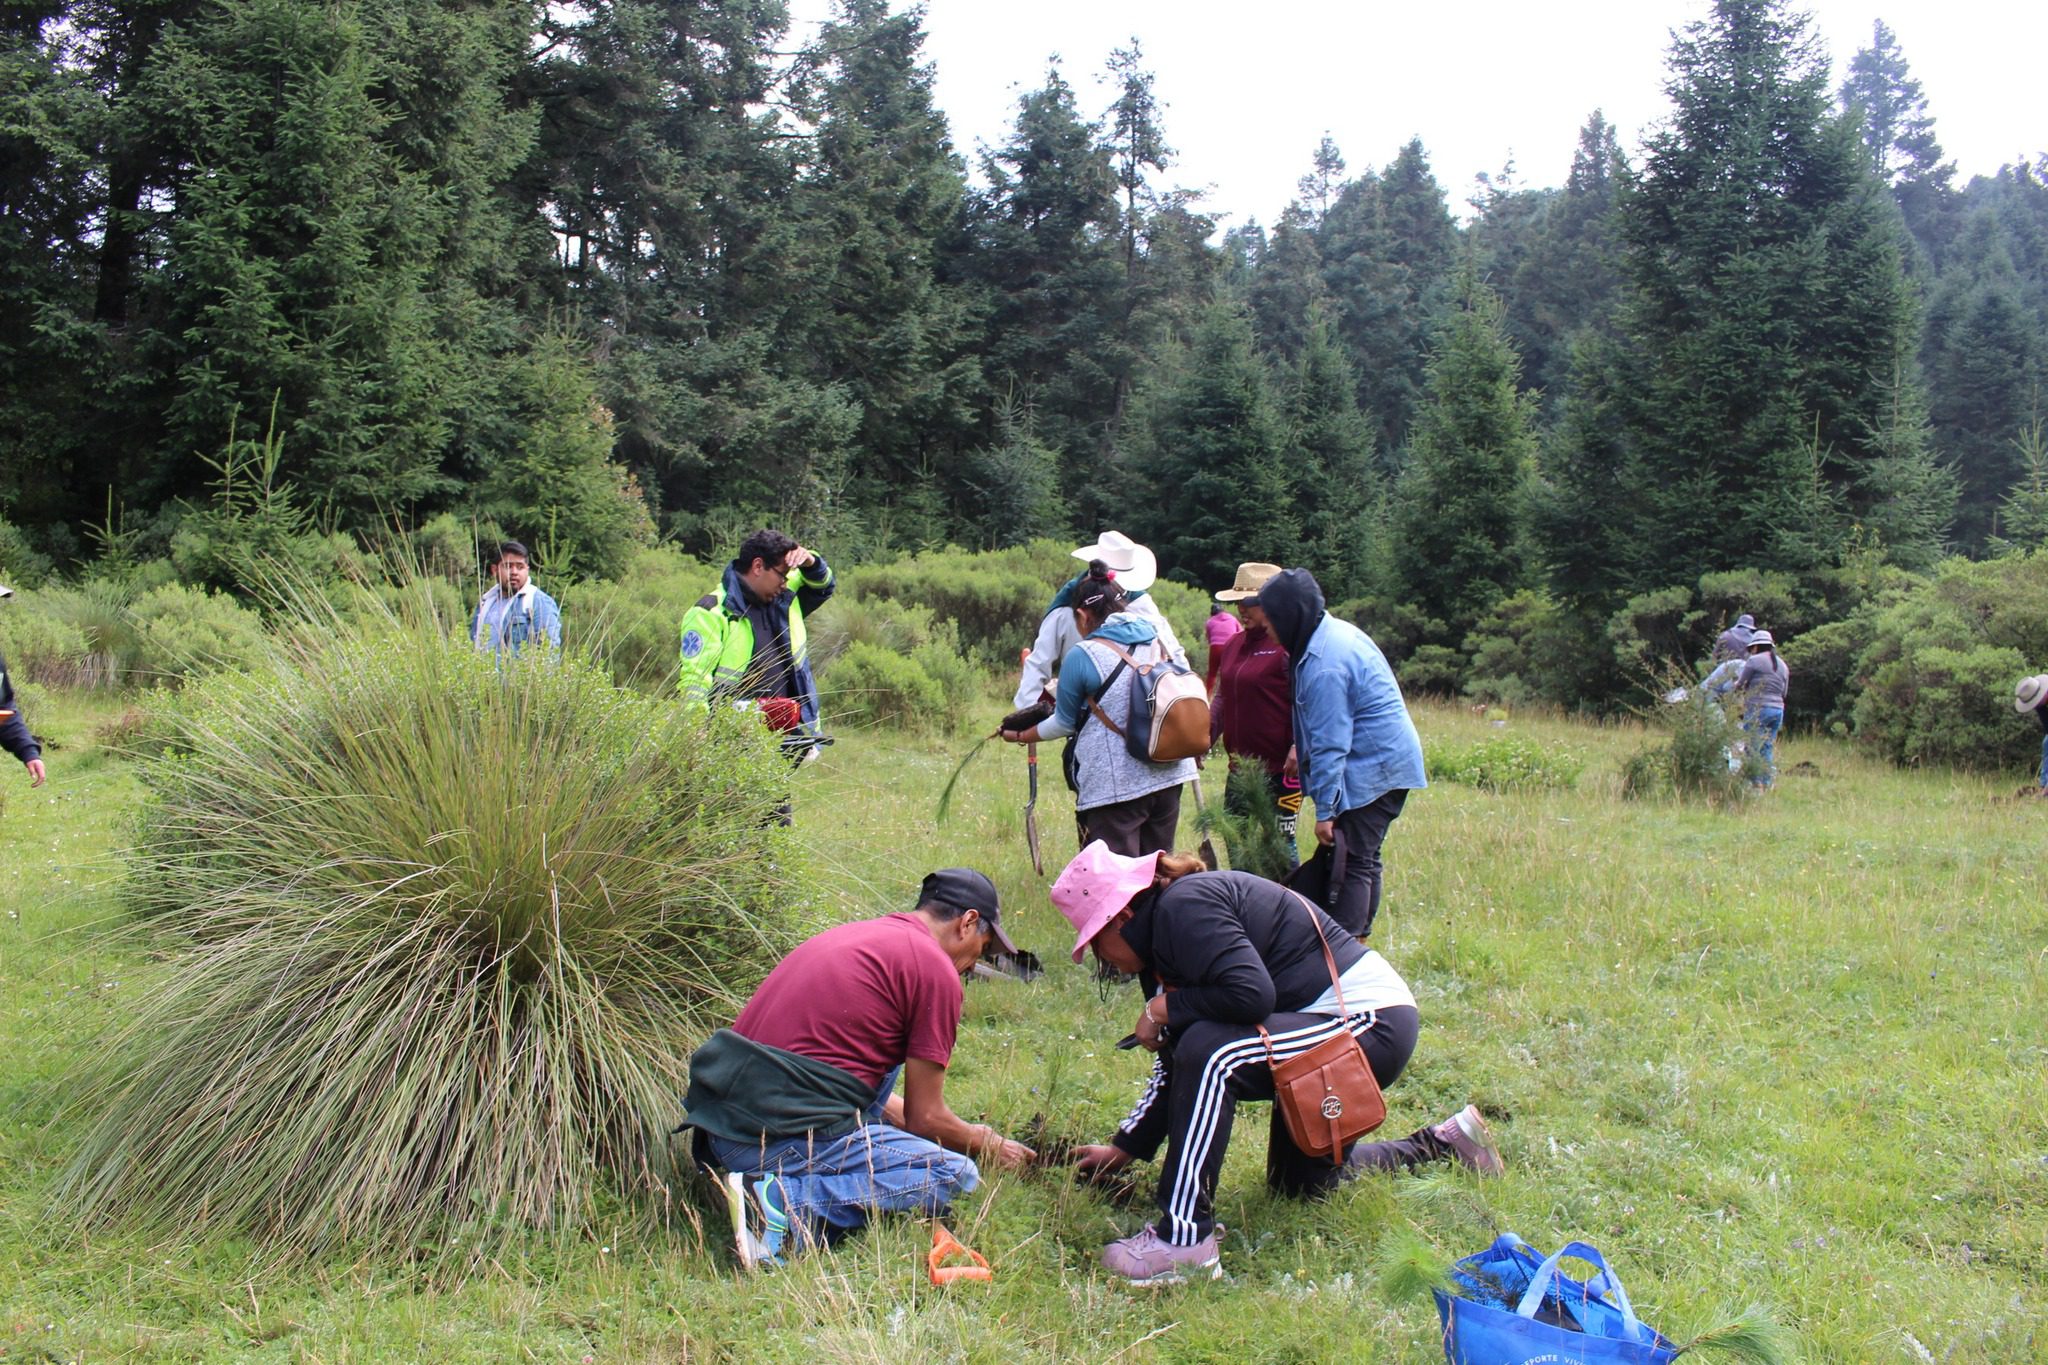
point(1096, 885)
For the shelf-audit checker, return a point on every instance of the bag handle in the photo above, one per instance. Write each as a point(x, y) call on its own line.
point(1606, 1282)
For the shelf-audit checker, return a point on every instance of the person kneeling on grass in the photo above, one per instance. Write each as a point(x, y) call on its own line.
point(796, 1102)
point(1219, 954)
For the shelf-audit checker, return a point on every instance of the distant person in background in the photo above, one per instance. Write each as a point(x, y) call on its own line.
point(1763, 683)
point(1134, 569)
point(1129, 803)
point(1734, 641)
point(1356, 744)
point(2031, 698)
point(1251, 702)
point(514, 612)
point(15, 736)
point(1221, 627)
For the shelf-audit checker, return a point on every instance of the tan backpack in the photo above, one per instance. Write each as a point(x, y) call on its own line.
point(1169, 717)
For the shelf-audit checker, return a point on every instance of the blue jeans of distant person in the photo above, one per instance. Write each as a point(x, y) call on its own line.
point(830, 1188)
point(2043, 778)
point(1763, 730)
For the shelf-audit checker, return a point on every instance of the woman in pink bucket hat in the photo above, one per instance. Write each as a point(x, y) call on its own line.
point(1218, 954)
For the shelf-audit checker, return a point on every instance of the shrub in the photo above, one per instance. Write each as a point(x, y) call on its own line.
point(633, 623)
point(1941, 705)
point(189, 632)
point(42, 647)
point(97, 610)
point(1701, 735)
point(21, 564)
point(870, 685)
point(994, 599)
point(439, 932)
point(1530, 649)
point(1504, 764)
point(1938, 671)
point(1432, 670)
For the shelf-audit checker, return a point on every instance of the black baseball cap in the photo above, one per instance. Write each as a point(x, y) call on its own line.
point(962, 888)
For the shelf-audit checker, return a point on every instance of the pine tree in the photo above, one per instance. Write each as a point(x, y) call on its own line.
point(1457, 510)
point(1048, 249)
point(1213, 445)
point(1386, 245)
point(878, 213)
point(1566, 283)
point(1329, 456)
point(1765, 309)
point(1898, 132)
point(339, 240)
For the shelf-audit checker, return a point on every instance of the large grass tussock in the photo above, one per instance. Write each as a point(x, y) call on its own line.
point(438, 936)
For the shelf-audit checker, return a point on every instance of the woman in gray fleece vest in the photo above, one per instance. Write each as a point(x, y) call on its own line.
point(1130, 804)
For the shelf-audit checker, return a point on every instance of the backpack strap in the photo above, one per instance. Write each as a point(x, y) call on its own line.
point(1124, 660)
point(1095, 702)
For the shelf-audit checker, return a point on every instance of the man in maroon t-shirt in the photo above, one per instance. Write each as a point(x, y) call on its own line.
point(1251, 708)
point(845, 1012)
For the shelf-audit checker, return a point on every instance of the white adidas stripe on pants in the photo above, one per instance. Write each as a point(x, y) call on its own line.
point(1222, 1064)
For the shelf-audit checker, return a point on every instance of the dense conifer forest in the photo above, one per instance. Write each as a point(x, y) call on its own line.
point(613, 273)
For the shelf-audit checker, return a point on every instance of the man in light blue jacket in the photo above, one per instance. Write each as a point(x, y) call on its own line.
point(1356, 745)
point(514, 612)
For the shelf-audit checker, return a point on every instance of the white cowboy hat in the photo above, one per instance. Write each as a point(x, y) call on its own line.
point(2030, 693)
point(1137, 568)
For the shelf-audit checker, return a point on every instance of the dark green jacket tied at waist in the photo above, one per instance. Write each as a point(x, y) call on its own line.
point(746, 1091)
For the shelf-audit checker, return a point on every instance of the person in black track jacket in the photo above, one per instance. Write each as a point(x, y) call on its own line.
point(1218, 954)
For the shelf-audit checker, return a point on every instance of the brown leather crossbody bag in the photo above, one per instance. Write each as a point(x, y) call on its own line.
point(1327, 1096)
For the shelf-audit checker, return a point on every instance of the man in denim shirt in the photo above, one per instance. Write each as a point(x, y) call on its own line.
point(515, 612)
point(1358, 750)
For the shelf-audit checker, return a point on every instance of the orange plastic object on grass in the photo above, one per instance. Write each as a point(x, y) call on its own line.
point(945, 1244)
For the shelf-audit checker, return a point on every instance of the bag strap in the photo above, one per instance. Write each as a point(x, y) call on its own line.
point(1329, 958)
point(1539, 1284)
point(1095, 702)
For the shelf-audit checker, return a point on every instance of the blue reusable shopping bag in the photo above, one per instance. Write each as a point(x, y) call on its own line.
point(1514, 1307)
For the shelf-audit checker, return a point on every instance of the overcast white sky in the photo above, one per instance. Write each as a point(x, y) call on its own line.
point(1251, 87)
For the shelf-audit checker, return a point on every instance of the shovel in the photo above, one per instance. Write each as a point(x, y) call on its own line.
point(1031, 810)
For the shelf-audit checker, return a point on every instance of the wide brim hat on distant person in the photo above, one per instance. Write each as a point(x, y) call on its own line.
point(1091, 889)
point(1250, 578)
point(6, 591)
point(1136, 567)
point(2030, 693)
point(1762, 638)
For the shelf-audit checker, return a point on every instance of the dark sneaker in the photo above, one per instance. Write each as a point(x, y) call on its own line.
point(1146, 1258)
point(1465, 1134)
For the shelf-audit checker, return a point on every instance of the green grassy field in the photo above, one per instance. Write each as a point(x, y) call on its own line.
point(1794, 1054)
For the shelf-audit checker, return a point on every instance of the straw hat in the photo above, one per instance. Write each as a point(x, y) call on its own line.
point(2030, 693)
point(1250, 578)
point(1137, 568)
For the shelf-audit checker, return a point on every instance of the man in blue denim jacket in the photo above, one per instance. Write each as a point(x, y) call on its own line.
point(1357, 747)
point(515, 612)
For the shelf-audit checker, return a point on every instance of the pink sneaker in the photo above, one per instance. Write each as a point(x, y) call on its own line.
point(1465, 1134)
point(1146, 1258)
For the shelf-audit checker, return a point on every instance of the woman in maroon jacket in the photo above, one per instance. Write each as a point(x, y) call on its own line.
point(1251, 707)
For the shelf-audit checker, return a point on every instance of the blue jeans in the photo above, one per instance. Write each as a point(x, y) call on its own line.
point(1763, 728)
point(841, 1181)
point(2044, 761)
